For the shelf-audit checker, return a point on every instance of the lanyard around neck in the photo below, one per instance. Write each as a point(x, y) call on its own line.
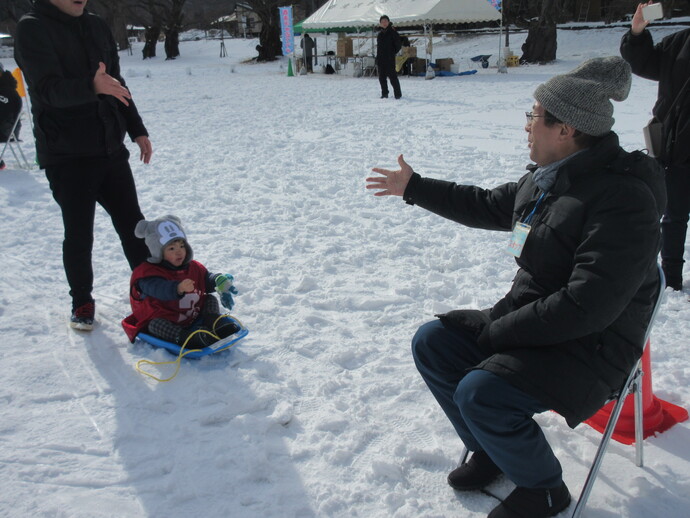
point(536, 205)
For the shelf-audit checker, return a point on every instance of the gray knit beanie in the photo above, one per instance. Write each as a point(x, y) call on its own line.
point(158, 233)
point(580, 98)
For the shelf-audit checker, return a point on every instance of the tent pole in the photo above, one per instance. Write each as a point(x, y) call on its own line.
point(502, 69)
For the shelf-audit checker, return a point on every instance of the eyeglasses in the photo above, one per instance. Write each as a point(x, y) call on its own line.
point(531, 116)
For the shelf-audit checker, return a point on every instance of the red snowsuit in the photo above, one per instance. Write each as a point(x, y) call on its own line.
point(183, 311)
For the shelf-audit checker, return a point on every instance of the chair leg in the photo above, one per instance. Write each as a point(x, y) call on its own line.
point(639, 425)
point(11, 143)
point(608, 432)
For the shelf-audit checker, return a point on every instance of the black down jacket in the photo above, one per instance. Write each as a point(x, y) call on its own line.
point(571, 327)
point(59, 55)
point(10, 106)
point(388, 44)
point(669, 63)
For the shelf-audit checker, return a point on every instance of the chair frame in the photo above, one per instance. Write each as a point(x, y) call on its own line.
point(13, 142)
point(632, 385)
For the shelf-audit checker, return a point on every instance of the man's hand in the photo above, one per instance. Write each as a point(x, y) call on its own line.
point(638, 21)
point(104, 84)
point(392, 183)
point(145, 147)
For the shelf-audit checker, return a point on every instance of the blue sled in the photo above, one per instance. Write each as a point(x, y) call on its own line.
point(444, 73)
point(221, 345)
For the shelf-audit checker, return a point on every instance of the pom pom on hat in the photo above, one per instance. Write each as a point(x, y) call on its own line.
point(159, 233)
point(581, 97)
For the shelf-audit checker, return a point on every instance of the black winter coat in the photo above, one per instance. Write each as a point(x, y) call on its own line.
point(667, 62)
point(571, 327)
point(388, 44)
point(59, 55)
point(10, 106)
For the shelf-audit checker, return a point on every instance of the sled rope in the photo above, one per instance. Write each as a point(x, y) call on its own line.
point(176, 361)
point(182, 353)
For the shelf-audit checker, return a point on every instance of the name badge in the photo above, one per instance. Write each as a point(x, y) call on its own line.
point(518, 238)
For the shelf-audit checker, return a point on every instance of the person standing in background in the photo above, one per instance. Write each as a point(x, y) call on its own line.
point(667, 62)
point(307, 45)
point(387, 46)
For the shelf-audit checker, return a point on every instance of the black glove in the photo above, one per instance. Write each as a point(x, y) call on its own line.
point(471, 321)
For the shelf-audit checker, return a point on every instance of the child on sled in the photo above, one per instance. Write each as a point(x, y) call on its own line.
point(172, 295)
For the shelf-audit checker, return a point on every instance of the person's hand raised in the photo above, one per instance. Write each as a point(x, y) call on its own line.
point(638, 21)
point(392, 183)
point(105, 84)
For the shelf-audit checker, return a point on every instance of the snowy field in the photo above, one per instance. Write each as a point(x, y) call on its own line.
point(319, 412)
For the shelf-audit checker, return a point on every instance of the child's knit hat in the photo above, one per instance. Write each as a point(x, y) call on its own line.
point(160, 232)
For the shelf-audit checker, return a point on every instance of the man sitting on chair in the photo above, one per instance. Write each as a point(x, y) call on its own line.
point(585, 236)
point(10, 108)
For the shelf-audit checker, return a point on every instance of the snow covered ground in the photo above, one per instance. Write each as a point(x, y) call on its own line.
point(319, 412)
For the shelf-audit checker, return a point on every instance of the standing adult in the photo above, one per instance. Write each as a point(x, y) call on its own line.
point(307, 45)
point(387, 46)
point(82, 110)
point(585, 236)
point(668, 62)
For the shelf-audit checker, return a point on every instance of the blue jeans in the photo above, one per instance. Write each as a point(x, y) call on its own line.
point(487, 412)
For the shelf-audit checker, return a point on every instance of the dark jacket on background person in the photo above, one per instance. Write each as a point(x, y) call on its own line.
point(10, 106)
point(387, 46)
point(571, 327)
point(667, 62)
point(59, 55)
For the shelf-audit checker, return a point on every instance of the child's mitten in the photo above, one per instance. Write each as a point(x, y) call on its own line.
point(226, 289)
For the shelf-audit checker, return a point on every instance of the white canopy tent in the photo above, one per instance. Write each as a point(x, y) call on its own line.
point(365, 14)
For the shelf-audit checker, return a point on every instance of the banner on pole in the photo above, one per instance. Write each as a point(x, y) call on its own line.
point(286, 30)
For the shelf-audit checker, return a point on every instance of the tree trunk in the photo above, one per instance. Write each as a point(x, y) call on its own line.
point(151, 37)
point(172, 43)
point(172, 29)
point(269, 39)
point(540, 45)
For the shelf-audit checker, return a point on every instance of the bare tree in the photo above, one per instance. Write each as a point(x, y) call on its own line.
point(269, 38)
point(115, 13)
point(173, 26)
point(540, 45)
point(10, 12)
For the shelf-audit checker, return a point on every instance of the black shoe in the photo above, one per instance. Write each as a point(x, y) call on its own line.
point(221, 325)
point(674, 275)
point(398, 96)
point(83, 316)
point(198, 338)
point(384, 96)
point(533, 503)
point(476, 473)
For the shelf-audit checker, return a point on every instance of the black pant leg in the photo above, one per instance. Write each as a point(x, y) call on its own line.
point(674, 224)
point(395, 83)
point(118, 196)
point(387, 71)
point(382, 80)
point(74, 187)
